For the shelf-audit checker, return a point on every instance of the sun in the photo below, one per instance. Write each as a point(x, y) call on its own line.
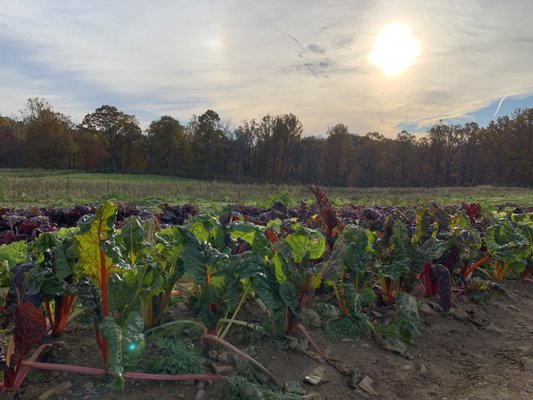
point(395, 49)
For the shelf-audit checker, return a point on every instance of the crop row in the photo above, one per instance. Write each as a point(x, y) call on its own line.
point(123, 270)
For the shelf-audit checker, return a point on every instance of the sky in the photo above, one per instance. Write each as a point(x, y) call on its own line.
point(247, 58)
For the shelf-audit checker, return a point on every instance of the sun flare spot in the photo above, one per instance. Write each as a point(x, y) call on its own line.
point(395, 49)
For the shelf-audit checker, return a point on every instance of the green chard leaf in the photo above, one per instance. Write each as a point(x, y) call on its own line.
point(406, 316)
point(305, 241)
point(125, 343)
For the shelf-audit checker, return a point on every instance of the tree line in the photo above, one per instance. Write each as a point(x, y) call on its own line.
point(270, 149)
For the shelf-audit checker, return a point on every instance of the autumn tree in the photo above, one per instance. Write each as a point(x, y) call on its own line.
point(48, 136)
point(11, 147)
point(207, 137)
point(117, 128)
point(168, 146)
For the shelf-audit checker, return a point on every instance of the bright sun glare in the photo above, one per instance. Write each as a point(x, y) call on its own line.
point(394, 50)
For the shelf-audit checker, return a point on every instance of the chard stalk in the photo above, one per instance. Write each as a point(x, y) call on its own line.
point(234, 316)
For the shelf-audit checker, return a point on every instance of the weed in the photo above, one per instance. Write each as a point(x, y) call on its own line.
point(171, 356)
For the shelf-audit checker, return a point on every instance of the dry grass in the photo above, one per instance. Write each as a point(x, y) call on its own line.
point(25, 188)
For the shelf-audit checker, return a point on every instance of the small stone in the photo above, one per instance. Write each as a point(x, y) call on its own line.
point(423, 369)
point(314, 356)
point(316, 376)
point(200, 385)
point(180, 396)
point(89, 386)
point(406, 367)
point(365, 346)
point(223, 369)
point(527, 364)
point(225, 357)
point(366, 385)
point(199, 394)
point(347, 340)
point(427, 309)
point(312, 396)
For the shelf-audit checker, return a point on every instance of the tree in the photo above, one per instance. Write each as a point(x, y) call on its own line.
point(48, 136)
point(11, 143)
point(207, 137)
point(115, 126)
point(335, 155)
point(91, 151)
point(167, 145)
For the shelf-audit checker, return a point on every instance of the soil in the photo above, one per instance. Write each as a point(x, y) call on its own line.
point(478, 351)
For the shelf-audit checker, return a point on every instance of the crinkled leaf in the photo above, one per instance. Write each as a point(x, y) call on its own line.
point(90, 299)
point(288, 294)
point(396, 260)
point(11, 255)
point(406, 316)
point(306, 241)
point(207, 229)
point(89, 249)
point(508, 245)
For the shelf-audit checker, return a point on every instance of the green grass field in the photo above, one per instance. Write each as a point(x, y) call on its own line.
point(31, 187)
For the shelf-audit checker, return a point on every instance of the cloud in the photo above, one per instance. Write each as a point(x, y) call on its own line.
point(245, 58)
point(315, 48)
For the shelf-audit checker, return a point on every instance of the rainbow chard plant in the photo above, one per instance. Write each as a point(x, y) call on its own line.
point(348, 269)
point(53, 277)
point(216, 289)
point(29, 329)
point(103, 270)
point(508, 249)
point(296, 262)
point(394, 260)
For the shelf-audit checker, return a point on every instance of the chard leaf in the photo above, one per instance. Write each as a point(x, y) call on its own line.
point(508, 245)
point(125, 342)
point(396, 260)
point(14, 253)
point(304, 242)
point(207, 229)
point(406, 316)
point(30, 328)
point(90, 299)
point(288, 294)
point(132, 236)
point(280, 267)
point(94, 231)
point(253, 235)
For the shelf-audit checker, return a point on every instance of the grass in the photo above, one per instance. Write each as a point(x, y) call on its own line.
point(34, 187)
